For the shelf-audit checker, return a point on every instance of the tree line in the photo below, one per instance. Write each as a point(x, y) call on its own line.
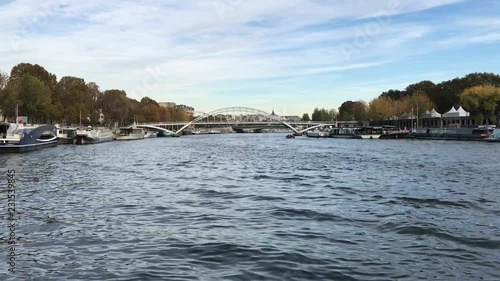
point(478, 93)
point(39, 95)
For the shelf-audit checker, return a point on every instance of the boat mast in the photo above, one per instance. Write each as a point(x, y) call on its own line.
point(417, 116)
point(412, 125)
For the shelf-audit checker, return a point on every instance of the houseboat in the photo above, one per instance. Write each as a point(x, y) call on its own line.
point(66, 135)
point(316, 134)
point(481, 133)
point(15, 138)
point(495, 136)
point(93, 136)
point(130, 133)
point(358, 133)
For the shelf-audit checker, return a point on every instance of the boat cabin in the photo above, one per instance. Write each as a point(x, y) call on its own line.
point(10, 133)
point(130, 131)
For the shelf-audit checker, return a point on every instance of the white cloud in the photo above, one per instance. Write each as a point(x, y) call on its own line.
point(200, 43)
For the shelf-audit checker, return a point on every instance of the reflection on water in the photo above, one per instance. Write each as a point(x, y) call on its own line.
point(258, 207)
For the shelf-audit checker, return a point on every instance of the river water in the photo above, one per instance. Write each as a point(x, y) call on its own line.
point(256, 207)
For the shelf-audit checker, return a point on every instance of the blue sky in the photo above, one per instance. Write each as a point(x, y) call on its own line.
point(290, 55)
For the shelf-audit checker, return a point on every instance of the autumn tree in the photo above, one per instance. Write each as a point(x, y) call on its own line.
point(181, 115)
point(115, 106)
point(381, 108)
point(151, 110)
point(165, 114)
point(418, 103)
point(447, 93)
point(482, 101)
point(149, 101)
point(75, 98)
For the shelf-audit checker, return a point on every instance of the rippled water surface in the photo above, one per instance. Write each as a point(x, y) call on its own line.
point(257, 207)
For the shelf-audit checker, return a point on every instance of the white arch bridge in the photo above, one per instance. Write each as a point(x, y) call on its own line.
point(235, 117)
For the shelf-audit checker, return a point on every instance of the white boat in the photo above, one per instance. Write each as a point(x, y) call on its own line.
point(16, 138)
point(317, 134)
point(214, 132)
point(370, 136)
point(151, 134)
point(495, 136)
point(93, 136)
point(130, 133)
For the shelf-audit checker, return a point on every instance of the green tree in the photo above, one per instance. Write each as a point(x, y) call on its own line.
point(4, 78)
point(394, 94)
point(305, 117)
point(316, 116)
point(324, 114)
point(9, 100)
point(35, 97)
point(93, 96)
point(35, 70)
point(332, 114)
point(353, 110)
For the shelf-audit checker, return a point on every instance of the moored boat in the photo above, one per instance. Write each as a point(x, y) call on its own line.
point(462, 134)
point(151, 134)
point(495, 136)
point(130, 133)
point(93, 136)
point(358, 133)
point(163, 134)
point(344, 133)
point(15, 138)
point(317, 134)
point(66, 135)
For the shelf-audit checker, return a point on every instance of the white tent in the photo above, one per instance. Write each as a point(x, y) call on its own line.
point(431, 114)
point(462, 112)
point(452, 113)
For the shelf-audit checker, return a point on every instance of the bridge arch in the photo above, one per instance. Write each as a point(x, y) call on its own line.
point(233, 111)
point(155, 128)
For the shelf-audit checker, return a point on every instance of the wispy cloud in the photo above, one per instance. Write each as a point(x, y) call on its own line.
point(204, 48)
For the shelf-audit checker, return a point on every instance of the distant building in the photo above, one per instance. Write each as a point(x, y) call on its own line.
point(189, 110)
point(291, 118)
point(167, 104)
